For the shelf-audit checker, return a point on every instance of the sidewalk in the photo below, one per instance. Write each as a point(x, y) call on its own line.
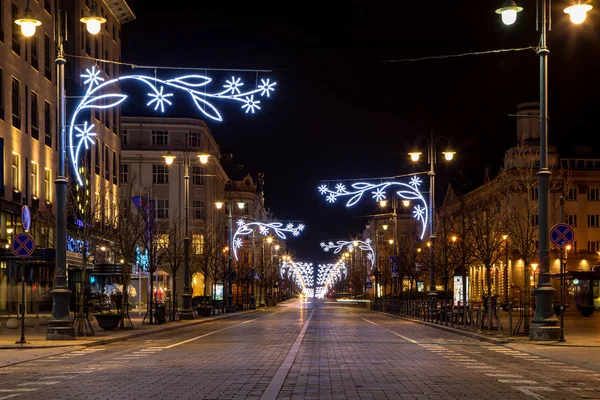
point(36, 336)
point(581, 347)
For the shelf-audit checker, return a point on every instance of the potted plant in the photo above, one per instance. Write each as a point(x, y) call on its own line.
point(108, 320)
point(203, 310)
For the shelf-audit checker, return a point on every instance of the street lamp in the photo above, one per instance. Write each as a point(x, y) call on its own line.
point(544, 325)
point(60, 326)
point(431, 160)
point(186, 307)
point(93, 22)
point(219, 205)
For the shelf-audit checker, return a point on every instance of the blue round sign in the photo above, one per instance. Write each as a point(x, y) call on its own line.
point(22, 245)
point(26, 218)
point(562, 235)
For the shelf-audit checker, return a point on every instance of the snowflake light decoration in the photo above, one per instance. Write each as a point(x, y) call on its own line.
point(298, 272)
point(194, 86)
point(364, 245)
point(85, 135)
point(245, 228)
point(406, 191)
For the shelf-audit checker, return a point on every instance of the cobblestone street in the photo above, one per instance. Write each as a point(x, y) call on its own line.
point(312, 349)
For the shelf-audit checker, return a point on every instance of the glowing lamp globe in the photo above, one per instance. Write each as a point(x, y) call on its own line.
point(241, 205)
point(219, 205)
point(509, 11)
point(94, 21)
point(414, 156)
point(169, 158)
point(28, 23)
point(269, 240)
point(449, 155)
point(384, 226)
point(383, 203)
point(203, 158)
point(578, 12)
point(406, 203)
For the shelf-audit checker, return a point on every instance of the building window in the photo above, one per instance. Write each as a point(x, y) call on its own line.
point(1, 93)
point(593, 221)
point(593, 246)
point(124, 136)
point(534, 193)
point(124, 173)
point(16, 170)
point(114, 167)
point(47, 124)
point(115, 120)
point(48, 6)
point(35, 118)
point(34, 52)
point(572, 194)
point(160, 138)
point(197, 243)
point(16, 105)
point(48, 185)
point(35, 180)
point(160, 174)
point(47, 57)
point(592, 194)
point(198, 211)
point(194, 139)
point(16, 31)
point(106, 65)
point(571, 220)
point(106, 162)
point(97, 157)
point(534, 220)
point(198, 175)
point(162, 208)
point(574, 246)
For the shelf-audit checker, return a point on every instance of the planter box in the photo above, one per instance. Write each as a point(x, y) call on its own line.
point(108, 322)
point(586, 311)
point(204, 311)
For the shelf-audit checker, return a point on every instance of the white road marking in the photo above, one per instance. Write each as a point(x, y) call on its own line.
point(530, 391)
point(9, 396)
point(523, 381)
point(371, 322)
point(39, 383)
point(504, 375)
point(405, 338)
point(19, 390)
point(208, 334)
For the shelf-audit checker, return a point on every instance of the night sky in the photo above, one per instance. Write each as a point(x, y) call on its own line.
point(344, 110)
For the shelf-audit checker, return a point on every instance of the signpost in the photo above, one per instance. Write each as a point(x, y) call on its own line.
point(22, 246)
point(561, 236)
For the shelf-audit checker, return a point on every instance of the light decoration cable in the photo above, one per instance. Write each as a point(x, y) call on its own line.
point(407, 191)
point(244, 228)
point(96, 98)
point(329, 274)
point(364, 245)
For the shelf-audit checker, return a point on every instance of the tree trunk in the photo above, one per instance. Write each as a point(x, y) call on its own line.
point(149, 308)
point(174, 302)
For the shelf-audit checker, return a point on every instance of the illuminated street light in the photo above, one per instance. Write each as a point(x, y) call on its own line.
point(509, 12)
point(94, 20)
point(28, 23)
point(578, 12)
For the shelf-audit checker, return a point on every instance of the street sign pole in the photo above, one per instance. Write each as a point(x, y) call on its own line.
point(562, 235)
point(22, 306)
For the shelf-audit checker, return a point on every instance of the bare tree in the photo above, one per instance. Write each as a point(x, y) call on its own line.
point(208, 256)
point(174, 254)
point(518, 184)
point(445, 253)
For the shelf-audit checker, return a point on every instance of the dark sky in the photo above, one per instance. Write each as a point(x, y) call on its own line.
point(342, 112)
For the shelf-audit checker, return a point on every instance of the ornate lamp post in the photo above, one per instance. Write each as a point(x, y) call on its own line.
point(544, 325)
point(186, 311)
point(431, 160)
point(60, 325)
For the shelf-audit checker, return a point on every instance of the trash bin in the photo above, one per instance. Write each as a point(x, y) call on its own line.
point(161, 315)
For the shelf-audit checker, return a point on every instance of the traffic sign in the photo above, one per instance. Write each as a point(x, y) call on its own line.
point(25, 218)
point(369, 285)
point(562, 235)
point(22, 245)
point(256, 276)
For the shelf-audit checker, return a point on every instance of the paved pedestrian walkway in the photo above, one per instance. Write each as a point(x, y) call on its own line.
point(35, 337)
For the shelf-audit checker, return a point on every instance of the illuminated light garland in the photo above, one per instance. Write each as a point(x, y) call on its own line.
point(300, 273)
point(159, 99)
point(331, 273)
point(264, 229)
point(408, 191)
point(364, 245)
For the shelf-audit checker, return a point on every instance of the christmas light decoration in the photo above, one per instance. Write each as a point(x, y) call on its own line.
point(406, 191)
point(192, 85)
point(364, 245)
point(299, 273)
point(245, 228)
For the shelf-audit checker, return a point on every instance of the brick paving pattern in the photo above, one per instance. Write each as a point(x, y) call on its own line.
point(345, 353)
